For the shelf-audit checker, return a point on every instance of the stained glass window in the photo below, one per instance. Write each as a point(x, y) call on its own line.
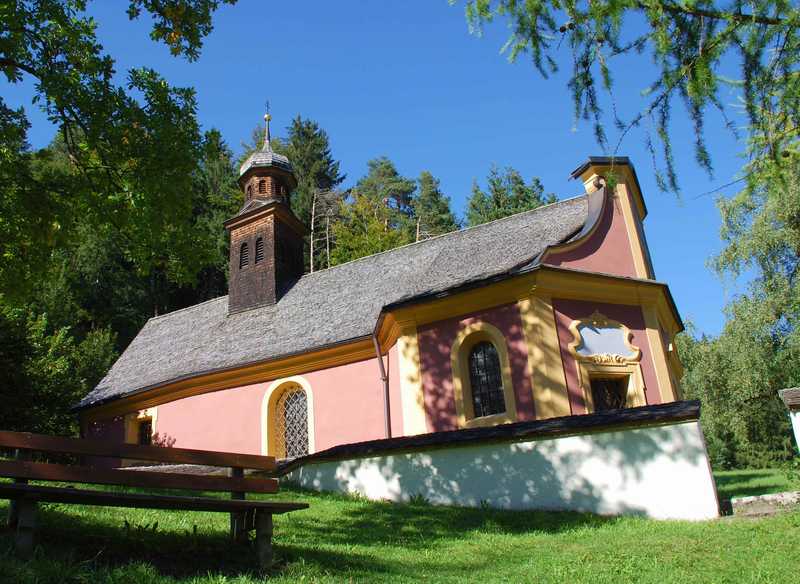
point(486, 380)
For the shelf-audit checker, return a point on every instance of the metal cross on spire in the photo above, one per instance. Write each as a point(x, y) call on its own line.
point(267, 118)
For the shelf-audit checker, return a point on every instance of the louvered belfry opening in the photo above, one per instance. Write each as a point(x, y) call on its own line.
point(244, 256)
point(291, 423)
point(259, 250)
point(486, 380)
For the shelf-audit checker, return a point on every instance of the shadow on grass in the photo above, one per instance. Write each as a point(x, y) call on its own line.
point(416, 526)
point(749, 483)
point(311, 537)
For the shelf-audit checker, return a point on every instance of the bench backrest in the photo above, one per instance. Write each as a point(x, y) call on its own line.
point(27, 470)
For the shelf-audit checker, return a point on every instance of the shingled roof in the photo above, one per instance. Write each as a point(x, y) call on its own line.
point(336, 305)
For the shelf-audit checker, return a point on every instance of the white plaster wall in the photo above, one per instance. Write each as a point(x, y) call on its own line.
point(659, 472)
point(794, 416)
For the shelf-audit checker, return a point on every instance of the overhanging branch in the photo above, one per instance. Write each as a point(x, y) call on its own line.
point(717, 14)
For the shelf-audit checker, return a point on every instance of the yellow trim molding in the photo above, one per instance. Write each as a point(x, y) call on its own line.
point(269, 438)
point(666, 386)
point(412, 399)
point(544, 281)
point(465, 340)
point(607, 365)
point(545, 369)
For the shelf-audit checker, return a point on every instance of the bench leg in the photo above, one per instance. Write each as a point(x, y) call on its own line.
point(239, 527)
point(13, 507)
point(238, 518)
point(26, 527)
point(264, 539)
point(13, 514)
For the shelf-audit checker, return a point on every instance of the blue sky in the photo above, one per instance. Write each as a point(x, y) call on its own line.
point(408, 81)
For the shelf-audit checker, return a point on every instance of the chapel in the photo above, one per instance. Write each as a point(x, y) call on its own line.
point(547, 313)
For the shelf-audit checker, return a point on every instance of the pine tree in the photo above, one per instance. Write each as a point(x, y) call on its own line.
point(384, 185)
point(308, 148)
point(432, 209)
point(507, 194)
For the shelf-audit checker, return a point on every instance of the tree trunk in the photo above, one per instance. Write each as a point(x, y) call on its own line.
point(328, 238)
point(313, 220)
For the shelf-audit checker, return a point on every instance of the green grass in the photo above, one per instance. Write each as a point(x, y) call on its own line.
point(341, 540)
point(744, 483)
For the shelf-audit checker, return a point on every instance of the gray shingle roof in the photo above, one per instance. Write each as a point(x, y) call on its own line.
point(334, 305)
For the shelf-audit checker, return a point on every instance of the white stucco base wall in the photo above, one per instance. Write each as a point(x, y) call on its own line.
point(659, 472)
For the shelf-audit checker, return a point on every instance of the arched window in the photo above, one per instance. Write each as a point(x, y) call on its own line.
point(482, 384)
point(249, 191)
point(486, 380)
point(287, 418)
point(244, 256)
point(259, 250)
point(262, 186)
point(291, 423)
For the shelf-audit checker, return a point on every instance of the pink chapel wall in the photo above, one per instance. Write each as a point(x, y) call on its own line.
point(631, 316)
point(347, 405)
point(435, 343)
point(608, 249)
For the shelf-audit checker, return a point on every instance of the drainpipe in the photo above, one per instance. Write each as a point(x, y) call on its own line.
point(387, 416)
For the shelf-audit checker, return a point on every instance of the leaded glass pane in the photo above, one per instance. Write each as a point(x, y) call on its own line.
point(292, 424)
point(486, 381)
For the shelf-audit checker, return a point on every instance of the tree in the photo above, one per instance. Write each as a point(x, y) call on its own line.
point(325, 207)
point(44, 371)
point(362, 229)
point(690, 43)
point(308, 148)
point(432, 209)
point(133, 147)
point(384, 185)
point(738, 374)
point(507, 194)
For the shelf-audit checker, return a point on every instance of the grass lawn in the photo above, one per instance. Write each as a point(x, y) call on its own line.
point(743, 483)
point(342, 539)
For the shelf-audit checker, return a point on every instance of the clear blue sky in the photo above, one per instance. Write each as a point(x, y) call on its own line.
point(406, 80)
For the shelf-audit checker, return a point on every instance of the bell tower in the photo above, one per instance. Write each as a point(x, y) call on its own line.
point(266, 237)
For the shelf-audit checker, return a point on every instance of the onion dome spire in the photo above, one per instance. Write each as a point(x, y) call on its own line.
point(265, 157)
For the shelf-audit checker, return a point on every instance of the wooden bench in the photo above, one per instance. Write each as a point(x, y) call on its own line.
point(245, 515)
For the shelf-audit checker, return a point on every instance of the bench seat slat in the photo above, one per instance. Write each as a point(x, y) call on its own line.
point(88, 447)
point(134, 478)
point(109, 499)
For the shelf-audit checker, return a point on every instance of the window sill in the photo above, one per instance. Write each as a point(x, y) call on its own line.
point(493, 420)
